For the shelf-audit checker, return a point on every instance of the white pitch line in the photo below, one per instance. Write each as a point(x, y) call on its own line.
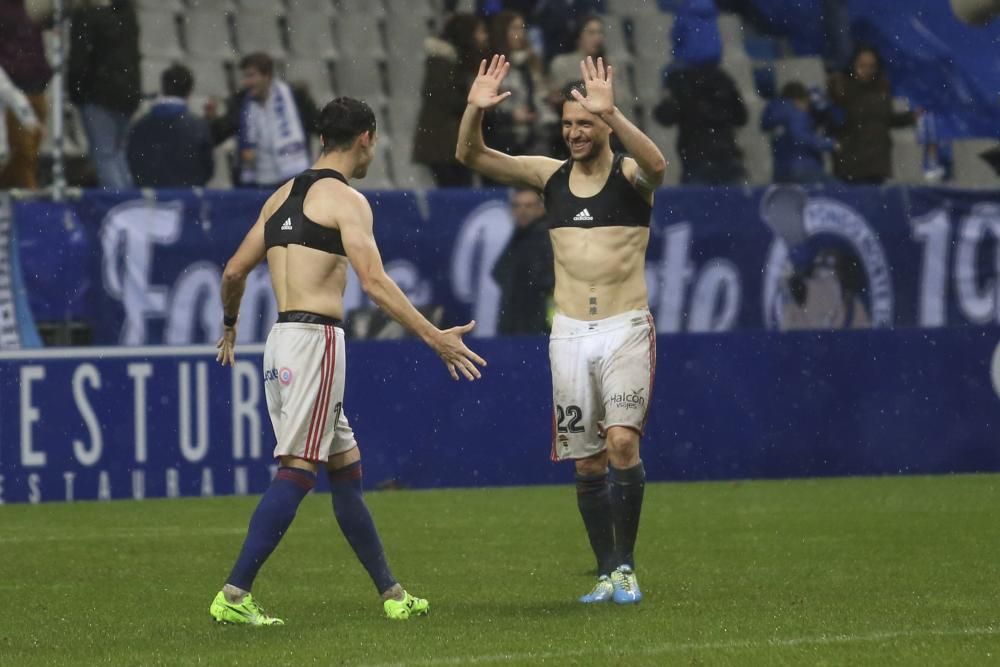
point(144, 534)
point(820, 640)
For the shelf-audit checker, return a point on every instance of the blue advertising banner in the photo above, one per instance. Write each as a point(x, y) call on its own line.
point(145, 271)
point(162, 422)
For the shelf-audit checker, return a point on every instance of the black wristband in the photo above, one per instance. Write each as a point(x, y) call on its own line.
point(229, 321)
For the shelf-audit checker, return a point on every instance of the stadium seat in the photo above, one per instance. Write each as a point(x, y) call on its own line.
point(259, 32)
point(665, 139)
point(223, 154)
point(211, 78)
point(757, 156)
point(907, 157)
point(359, 35)
point(261, 7)
point(970, 169)
point(643, 8)
point(311, 35)
point(208, 33)
point(731, 30)
point(314, 8)
point(160, 5)
point(411, 9)
point(315, 74)
point(158, 33)
point(648, 82)
point(356, 7)
point(360, 77)
point(808, 70)
point(149, 72)
point(651, 36)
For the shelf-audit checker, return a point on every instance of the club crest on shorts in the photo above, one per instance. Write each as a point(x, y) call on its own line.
point(285, 376)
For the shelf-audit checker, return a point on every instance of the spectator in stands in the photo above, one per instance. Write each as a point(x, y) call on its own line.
point(13, 98)
point(798, 148)
point(170, 147)
point(452, 62)
point(104, 82)
point(695, 35)
point(273, 122)
point(864, 95)
point(22, 57)
point(565, 68)
point(707, 108)
point(524, 271)
point(559, 21)
point(515, 127)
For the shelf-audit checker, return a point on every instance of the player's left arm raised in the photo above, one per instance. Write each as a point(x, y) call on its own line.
point(234, 280)
point(647, 170)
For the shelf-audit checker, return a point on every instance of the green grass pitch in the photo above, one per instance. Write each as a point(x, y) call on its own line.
point(819, 572)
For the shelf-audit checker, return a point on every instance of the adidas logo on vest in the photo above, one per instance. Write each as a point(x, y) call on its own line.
point(583, 215)
point(286, 225)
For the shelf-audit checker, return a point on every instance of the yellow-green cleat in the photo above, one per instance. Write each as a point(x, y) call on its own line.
point(245, 612)
point(400, 610)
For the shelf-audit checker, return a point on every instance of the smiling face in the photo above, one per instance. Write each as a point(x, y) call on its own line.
point(585, 134)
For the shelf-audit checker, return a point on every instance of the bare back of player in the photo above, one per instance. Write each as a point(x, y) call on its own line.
point(602, 348)
point(310, 230)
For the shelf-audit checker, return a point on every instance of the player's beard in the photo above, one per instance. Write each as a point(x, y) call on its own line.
point(595, 149)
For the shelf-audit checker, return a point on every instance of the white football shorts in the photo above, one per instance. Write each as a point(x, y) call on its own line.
point(304, 369)
point(602, 376)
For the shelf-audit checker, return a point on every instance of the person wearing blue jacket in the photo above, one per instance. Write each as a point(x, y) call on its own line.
point(170, 147)
point(798, 147)
point(695, 35)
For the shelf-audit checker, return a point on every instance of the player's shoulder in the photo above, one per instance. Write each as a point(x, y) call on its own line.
point(339, 197)
point(541, 167)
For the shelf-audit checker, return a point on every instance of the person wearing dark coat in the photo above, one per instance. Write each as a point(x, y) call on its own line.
point(864, 96)
point(104, 82)
point(22, 57)
point(452, 62)
point(707, 108)
point(524, 271)
point(170, 147)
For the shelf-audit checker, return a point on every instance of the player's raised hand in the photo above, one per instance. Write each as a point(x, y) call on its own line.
point(227, 346)
point(597, 79)
point(485, 90)
point(455, 355)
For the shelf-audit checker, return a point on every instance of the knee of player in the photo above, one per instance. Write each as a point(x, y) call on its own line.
point(622, 442)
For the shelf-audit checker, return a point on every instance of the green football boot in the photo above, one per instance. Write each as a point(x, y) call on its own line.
point(400, 610)
point(245, 612)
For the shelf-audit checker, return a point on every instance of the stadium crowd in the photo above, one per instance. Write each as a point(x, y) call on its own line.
point(267, 119)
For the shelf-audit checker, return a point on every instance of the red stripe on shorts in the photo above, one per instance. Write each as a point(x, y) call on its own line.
point(331, 336)
point(315, 418)
point(652, 370)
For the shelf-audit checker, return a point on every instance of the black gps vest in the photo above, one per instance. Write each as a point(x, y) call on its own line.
point(618, 204)
point(290, 226)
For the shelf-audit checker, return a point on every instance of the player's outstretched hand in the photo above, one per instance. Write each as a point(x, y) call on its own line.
point(455, 355)
point(597, 79)
point(227, 346)
point(485, 90)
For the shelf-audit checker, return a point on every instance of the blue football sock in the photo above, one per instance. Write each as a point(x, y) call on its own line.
point(269, 522)
point(356, 523)
point(627, 487)
point(594, 502)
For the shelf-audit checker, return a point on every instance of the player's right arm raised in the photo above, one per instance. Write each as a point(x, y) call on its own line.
point(528, 170)
point(356, 232)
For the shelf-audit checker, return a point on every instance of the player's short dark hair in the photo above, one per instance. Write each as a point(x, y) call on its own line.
point(259, 61)
point(342, 121)
point(795, 90)
point(567, 91)
point(176, 81)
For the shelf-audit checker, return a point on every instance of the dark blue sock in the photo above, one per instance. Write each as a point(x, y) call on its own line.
point(356, 523)
point(627, 487)
point(594, 500)
point(269, 522)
